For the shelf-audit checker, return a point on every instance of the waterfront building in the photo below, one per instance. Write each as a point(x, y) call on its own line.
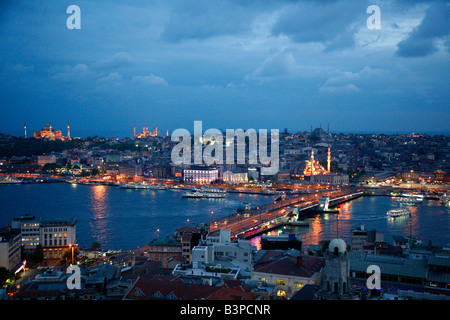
point(233, 176)
point(55, 235)
point(200, 174)
point(130, 170)
point(10, 248)
point(29, 228)
point(44, 159)
point(332, 179)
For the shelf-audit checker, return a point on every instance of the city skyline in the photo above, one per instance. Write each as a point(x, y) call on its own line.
point(233, 64)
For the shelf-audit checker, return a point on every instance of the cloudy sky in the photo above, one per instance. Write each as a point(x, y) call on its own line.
point(230, 63)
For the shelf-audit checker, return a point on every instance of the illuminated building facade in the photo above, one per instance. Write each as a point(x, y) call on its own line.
point(48, 133)
point(145, 133)
point(313, 167)
point(10, 245)
point(203, 175)
point(54, 235)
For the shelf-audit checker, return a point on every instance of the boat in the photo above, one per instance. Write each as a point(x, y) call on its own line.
point(398, 212)
point(192, 194)
point(155, 186)
point(137, 185)
point(409, 200)
point(444, 199)
point(203, 195)
point(9, 180)
point(214, 190)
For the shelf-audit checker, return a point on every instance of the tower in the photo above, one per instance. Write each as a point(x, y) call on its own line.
point(134, 131)
point(167, 133)
point(51, 135)
point(329, 158)
point(337, 271)
point(312, 165)
point(25, 130)
point(68, 132)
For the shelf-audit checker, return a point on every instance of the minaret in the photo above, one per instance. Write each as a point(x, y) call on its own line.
point(51, 135)
point(134, 131)
point(156, 130)
point(329, 158)
point(312, 165)
point(68, 132)
point(25, 130)
point(167, 133)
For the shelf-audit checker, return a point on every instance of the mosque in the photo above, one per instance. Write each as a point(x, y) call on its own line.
point(145, 133)
point(311, 170)
point(48, 133)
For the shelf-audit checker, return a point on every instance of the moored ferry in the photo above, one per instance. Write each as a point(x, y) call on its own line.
point(9, 180)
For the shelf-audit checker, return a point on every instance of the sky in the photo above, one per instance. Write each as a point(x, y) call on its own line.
point(262, 64)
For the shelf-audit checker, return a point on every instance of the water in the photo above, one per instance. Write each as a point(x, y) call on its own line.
point(116, 218)
point(125, 219)
point(429, 220)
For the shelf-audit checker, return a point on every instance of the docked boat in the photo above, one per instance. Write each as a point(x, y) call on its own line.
point(9, 180)
point(154, 186)
point(398, 212)
point(409, 200)
point(213, 190)
point(203, 195)
point(137, 185)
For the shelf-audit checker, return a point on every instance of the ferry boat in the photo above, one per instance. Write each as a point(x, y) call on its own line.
point(444, 199)
point(398, 212)
point(155, 186)
point(213, 190)
point(9, 180)
point(203, 195)
point(409, 200)
point(137, 185)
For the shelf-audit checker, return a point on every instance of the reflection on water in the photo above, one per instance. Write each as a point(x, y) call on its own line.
point(99, 205)
point(125, 219)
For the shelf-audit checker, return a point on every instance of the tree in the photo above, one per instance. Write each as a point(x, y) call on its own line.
point(38, 255)
point(95, 246)
point(5, 274)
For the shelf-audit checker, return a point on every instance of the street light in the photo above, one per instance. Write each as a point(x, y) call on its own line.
point(72, 246)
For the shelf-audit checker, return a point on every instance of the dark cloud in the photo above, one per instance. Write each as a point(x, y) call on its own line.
point(422, 41)
point(328, 22)
point(202, 19)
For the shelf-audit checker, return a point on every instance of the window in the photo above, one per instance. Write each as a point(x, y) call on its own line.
point(281, 282)
point(298, 284)
point(263, 279)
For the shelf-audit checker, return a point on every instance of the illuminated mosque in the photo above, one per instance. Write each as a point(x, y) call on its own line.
point(145, 133)
point(48, 133)
point(313, 167)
